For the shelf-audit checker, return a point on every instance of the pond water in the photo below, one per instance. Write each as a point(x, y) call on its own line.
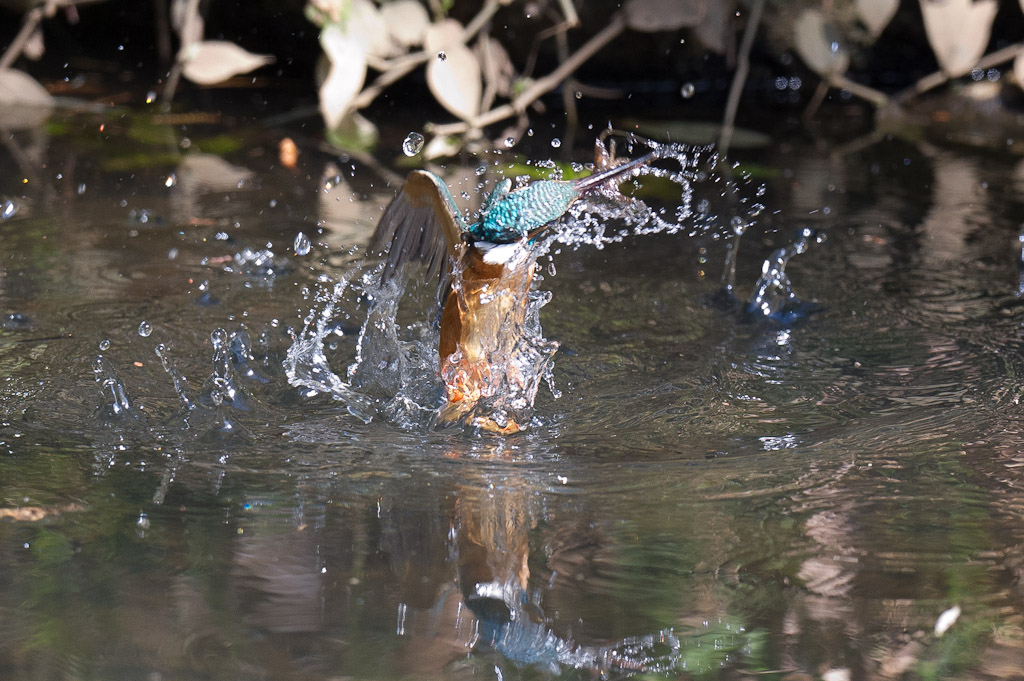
point(701, 495)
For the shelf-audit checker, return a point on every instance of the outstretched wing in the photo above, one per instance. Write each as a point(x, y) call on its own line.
point(421, 224)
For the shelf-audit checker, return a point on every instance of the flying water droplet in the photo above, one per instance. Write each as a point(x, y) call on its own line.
point(171, 181)
point(413, 144)
point(145, 329)
point(9, 209)
point(105, 344)
point(556, 143)
point(302, 244)
point(510, 141)
point(441, 56)
point(687, 90)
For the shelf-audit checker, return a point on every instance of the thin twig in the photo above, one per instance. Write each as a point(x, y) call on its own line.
point(32, 19)
point(876, 97)
point(934, 80)
point(187, 32)
point(816, 101)
point(742, 70)
point(541, 86)
point(28, 26)
point(395, 73)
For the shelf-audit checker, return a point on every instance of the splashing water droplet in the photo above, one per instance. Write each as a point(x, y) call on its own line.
point(9, 209)
point(302, 244)
point(442, 56)
point(556, 143)
point(687, 90)
point(412, 144)
point(105, 344)
point(170, 181)
point(145, 329)
point(510, 141)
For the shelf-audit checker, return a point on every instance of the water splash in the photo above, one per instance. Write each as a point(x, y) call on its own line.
point(178, 379)
point(116, 403)
point(491, 382)
point(307, 364)
point(605, 217)
point(302, 244)
point(774, 297)
point(222, 394)
point(412, 144)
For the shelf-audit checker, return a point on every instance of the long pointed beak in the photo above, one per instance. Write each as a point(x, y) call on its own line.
point(597, 179)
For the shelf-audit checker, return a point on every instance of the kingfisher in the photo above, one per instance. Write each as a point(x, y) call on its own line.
point(484, 272)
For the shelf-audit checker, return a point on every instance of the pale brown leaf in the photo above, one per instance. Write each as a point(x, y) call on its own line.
point(496, 65)
point(1018, 68)
point(652, 16)
point(34, 46)
point(366, 23)
point(442, 36)
point(407, 21)
point(346, 76)
point(214, 61)
point(453, 76)
point(876, 14)
point(817, 46)
point(958, 31)
point(36, 513)
point(188, 25)
point(17, 88)
point(715, 30)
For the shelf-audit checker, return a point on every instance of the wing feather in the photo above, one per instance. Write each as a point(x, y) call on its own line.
point(421, 224)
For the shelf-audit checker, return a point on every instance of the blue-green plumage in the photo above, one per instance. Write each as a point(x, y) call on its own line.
point(508, 218)
point(424, 223)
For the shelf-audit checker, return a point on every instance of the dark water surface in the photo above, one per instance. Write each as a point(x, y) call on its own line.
point(709, 497)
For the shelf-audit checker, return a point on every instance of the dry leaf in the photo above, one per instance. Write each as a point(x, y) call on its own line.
point(36, 513)
point(214, 61)
point(17, 88)
point(876, 14)
point(652, 16)
point(34, 46)
point(288, 152)
point(1018, 68)
point(454, 79)
point(203, 173)
point(442, 36)
point(946, 620)
point(715, 30)
point(441, 146)
point(365, 23)
point(346, 76)
point(453, 72)
point(817, 46)
point(958, 31)
point(407, 21)
point(188, 26)
point(496, 65)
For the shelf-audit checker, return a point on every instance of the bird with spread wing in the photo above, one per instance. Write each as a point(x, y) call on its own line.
point(485, 271)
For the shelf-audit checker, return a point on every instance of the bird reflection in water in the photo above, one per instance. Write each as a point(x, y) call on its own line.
point(490, 363)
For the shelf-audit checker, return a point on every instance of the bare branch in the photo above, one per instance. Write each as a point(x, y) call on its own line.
point(740, 78)
point(541, 86)
point(934, 80)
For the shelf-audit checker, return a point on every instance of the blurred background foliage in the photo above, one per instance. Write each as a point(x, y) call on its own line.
point(480, 73)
